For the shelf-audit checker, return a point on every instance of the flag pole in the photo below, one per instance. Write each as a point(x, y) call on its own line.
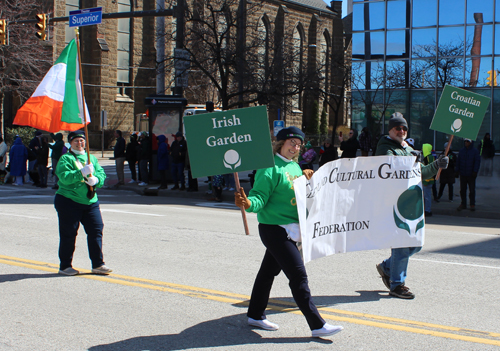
point(83, 96)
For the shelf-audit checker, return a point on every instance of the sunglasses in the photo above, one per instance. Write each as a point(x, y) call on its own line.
point(399, 129)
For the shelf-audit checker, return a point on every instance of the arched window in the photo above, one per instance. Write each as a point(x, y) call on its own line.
point(263, 47)
point(123, 50)
point(324, 60)
point(298, 63)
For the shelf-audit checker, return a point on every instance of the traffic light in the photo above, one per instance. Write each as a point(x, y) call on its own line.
point(3, 32)
point(41, 26)
point(492, 78)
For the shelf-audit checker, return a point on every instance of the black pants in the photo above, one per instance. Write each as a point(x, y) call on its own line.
point(469, 181)
point(450, 190)
point(133, 171)
point(71, 214)
point(282, 254)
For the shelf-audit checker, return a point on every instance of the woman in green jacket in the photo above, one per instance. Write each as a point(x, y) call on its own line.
point(76, 202)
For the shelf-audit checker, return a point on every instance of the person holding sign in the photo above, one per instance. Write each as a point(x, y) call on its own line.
point(273, 199)
point(394, 269)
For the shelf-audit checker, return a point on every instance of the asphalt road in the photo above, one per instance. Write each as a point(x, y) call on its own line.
point(183, 272)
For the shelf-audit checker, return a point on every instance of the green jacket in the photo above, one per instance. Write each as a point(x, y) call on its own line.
point(387, 146)
point(71, 182)
point(272, 195)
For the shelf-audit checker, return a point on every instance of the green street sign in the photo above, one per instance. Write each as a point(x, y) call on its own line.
point(460, 112)
point(229, 141)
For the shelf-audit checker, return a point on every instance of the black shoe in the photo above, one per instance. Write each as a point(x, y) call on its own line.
point(472, 208)
point(182, 188)
point(461, 207)
point(436, 199)
point(175, 187)
point(385, 278)
point(428, 214)
point(403, 292)
point(163, 187)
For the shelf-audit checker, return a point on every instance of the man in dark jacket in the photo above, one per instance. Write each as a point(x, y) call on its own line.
point(467, 166)
point(119, 156)
point(350, 146)
point(178, 152)
point(162, 160)
point(447, 176)
point(57, 150)
point(393, 270)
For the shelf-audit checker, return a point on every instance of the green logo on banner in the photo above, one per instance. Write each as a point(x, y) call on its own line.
point(228, 141)
point(460, 112)
point(410, 208)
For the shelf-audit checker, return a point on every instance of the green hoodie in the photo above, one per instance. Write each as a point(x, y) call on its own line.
point(71, 182)
point(272, 195)
point(387, 146)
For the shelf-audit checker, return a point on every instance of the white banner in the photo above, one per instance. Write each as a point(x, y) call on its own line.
point(363, 203)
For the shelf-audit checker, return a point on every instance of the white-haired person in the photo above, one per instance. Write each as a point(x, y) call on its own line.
point(273, 199)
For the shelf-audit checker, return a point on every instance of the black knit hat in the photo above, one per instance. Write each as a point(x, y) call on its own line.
point(289, 133)
point(396, 120)
point(77, 134)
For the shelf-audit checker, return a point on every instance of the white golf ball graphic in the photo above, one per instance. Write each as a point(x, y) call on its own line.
point(457, 125)
point(232, 159)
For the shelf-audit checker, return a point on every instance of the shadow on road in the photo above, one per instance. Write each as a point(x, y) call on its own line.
point(226, 331)
point(15, 277)
point(488, 248)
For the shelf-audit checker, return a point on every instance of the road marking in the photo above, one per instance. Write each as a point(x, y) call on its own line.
point(456, 263)
point(442, 331)
point(128, 212)
point(19, 215)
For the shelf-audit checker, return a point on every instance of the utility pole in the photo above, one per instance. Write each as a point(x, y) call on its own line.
point(160, 49)
point(179, 40)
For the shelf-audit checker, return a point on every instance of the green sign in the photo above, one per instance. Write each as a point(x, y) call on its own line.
point(460, 112)
point(229, 141)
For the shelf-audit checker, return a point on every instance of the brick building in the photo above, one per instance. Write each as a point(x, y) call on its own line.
point(119, 57)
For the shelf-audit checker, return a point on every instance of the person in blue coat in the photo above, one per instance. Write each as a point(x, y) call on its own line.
point(163, 162)
point(467, 166)
point(18, 157)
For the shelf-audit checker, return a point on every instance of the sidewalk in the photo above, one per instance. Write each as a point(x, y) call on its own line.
point(487, 192)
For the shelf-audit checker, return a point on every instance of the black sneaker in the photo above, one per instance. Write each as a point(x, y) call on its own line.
point(461, 207)
point(385, 278)
point(403, 292)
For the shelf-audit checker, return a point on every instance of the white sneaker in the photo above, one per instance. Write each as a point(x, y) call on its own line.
point(132, 181)
point(105, 270)
point(327, 330)
point(263, 324)
point(69, 271)
point(231, 189)
point(143, 184)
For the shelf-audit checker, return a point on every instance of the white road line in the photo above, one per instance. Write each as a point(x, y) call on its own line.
point(128, 212)
point(25, 197)
point(24, 216)
point(455, 263)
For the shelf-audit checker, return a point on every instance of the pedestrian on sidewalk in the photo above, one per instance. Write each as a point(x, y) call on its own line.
point(131, 155)
point(428, 183)
point(162, 160)
point(273, 199)
point(468, 163)
point(76, 202)
point(3, 160)
point(393, 270)
point(487, 152)
point(144, 156)
point(119, 156)
point(18, 156)
point(447, 176)
point(42, 160)
point(57, 151)
point(178, 151)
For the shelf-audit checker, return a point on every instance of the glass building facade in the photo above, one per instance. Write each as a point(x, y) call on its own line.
point(405, 51)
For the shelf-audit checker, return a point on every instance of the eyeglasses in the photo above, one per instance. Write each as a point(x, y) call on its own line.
point(399, 129)
point(294, 143)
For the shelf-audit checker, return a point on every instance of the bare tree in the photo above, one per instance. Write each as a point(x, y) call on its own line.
point(24, 61)
point(234, 57)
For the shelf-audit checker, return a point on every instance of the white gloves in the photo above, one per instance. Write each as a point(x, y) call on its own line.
point(88, 169)
point(92, 180)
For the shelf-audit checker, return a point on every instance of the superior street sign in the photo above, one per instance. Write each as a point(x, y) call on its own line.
point(85, 17)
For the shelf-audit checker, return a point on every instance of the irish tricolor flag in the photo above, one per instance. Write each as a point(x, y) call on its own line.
point(57, 102)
